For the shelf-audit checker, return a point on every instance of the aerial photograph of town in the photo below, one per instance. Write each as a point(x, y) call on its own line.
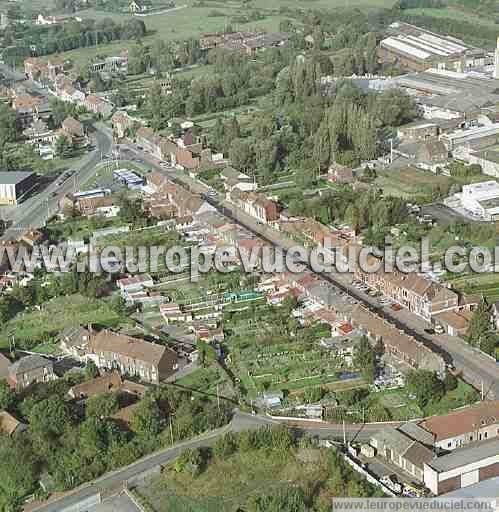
point(249, 255)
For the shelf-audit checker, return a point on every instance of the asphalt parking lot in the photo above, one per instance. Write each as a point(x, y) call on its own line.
point(445, 215)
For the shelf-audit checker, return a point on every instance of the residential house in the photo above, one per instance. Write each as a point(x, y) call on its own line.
point(256, 205)
point(125, 415)
point(137, 6)
point(74, 341)
point(402, 450)
point(171, 313)
point(5, 365)
point(418, 131)
point(134, 283)
point(27, 109)
point(160, 147)
point(418, 294)
point(122, 123)
point(33, 237)
point(187, 203)
point(74, 129)
point(70, 94)
point(233, 179)
point(107, 383)
point(409, 352)
point(103, 206)
point(97, 105)
point(429, 155)
point(132, 356)
point(10, 425)
point(464, 426)
point(37, 70)
point(38, 133)
point(340, 174)
point(30, 370)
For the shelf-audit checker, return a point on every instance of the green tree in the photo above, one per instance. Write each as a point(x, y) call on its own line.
point(7, 396)
point(147, 418)
point(63, 147)
point(364, 359)
point(225, 446)
point(102, 406)
point(450, 381)
point(480, 324)
point(91, 370)
point(425, 386)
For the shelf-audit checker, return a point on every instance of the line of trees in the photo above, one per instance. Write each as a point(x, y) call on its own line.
point(21, 39)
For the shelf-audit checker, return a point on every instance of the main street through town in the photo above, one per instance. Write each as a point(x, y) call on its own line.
point(477, 368)
point(34, 211)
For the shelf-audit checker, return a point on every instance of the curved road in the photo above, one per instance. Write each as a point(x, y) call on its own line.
point(33, 213)
point(114, 481)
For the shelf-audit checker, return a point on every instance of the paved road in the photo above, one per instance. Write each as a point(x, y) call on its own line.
point(113, 482)
point(34, 212)
point(478, 369)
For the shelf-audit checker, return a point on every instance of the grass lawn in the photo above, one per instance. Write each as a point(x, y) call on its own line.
point(38, 327)
point(226, 485)
point(320, 4)
point(174, 25)
point(410, 182)
point(454, 399)
point(452, 13)
point(104, 174)
point(481, 284)
point(204, 380)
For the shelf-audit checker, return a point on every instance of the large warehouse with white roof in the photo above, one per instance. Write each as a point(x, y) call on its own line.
point(481, 199)
point(418, 49)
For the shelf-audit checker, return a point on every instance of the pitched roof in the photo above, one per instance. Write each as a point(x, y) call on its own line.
point(29, 363)
point(469, 454)
point(8, 424)
point(75, 336)
point(411, 450)
point(134, 348)
point(104, 384)
point(462, 421)
point(125, 415)
point(73, 126)
point(414, 431)
point(5, 364)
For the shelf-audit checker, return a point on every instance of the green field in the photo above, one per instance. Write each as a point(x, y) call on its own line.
point(478, 284)
point(35, 327)
point(452, 13)
point(228, 484)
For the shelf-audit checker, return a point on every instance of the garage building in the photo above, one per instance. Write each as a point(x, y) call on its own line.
point(462, 467)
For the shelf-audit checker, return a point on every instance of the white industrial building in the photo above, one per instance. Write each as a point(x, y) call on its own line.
point(478, 136)
point(463, 467)
point(481, 199)
point(419, 49)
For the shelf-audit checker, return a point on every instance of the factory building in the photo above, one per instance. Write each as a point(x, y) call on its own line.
point(13, 185)
point(477, 137)
point(462, 467)
point(417, 49)
point(481, 199)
